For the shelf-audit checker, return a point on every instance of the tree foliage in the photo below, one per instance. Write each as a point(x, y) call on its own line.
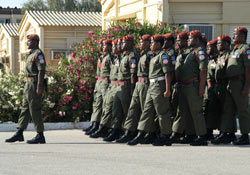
point(63, 5)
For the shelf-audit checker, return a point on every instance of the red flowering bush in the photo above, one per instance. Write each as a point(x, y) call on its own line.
point(70, 84)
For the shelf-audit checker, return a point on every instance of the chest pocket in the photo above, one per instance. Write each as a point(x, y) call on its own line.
point(124, 64)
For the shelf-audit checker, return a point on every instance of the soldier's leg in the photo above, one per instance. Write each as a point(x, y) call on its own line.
point(241, 106)
point(134, 112)
point(195, 103)
point(35, 106)
point(147, 117)
point(97, 104)
point(228, 121)
point(117, 110)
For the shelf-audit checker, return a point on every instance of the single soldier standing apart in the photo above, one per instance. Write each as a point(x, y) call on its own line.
point(32, 99)
point(140, 92)
point(157, 99)
point(192, 75)
point(238, 74)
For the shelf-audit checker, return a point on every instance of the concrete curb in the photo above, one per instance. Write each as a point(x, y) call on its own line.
point(10, 127)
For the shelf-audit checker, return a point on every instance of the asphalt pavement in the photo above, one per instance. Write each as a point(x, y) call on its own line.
point(70, 152)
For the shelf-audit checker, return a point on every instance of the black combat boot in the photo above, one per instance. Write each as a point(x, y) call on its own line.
point(138, 139)
point(88, 128)
point(200, 141)
point(243, 140)
point(18, 136)
point(39, 138)
point(127, 136)
point(93, 129)
point(149, 138)
point(112, 136)
point(188, 139)
point(162, 140)
point(101, 132)
point(175, 137)
point(209, 134)
point(223, 138)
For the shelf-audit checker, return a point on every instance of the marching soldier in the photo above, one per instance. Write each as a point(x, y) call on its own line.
point(98, 101)
point(127, 79)
point(106, 120)
point(223, 46)
point(192, 78)
point(236, 100)
point(140, 92)
point(182, 125)
point(105, 73)
point(157, 99)
point(32, 98)
point(211, 108)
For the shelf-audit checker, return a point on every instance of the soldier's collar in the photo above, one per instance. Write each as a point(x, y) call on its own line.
point(157, 52)
point(145, 51)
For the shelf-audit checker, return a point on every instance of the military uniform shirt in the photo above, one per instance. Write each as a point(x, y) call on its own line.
point(143, 65)
point(35, 63)
point(160, 65)
point(106, 64)
point(195, 60)
point(180, 61)
point(99, 65)
point(128, 66)
point(114, 68)
point(238, 60)
point(211, 71)
point(220, 70)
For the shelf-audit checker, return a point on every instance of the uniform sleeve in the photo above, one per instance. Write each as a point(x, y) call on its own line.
point(133, 64)
point(40, 62)
point(202, 59)
point(166, 62)
point(246, 57)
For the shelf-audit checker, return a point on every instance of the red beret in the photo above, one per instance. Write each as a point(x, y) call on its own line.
point(146, 37)
point(195, 33)
point(212, 42)
point(33, 36)
point(169, 36)
point(243, 29)
point(157, 37)
point(183, 35)
point(115, 41)
point(224, 38)
point(128, 38)
point(107, 41)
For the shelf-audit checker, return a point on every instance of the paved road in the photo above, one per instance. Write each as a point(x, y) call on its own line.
point(70, 152)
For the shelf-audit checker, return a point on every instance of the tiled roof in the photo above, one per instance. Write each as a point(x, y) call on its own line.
point(61, 18)
point(11, 28)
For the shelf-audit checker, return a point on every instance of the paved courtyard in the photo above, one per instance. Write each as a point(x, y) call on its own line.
point(70, 152)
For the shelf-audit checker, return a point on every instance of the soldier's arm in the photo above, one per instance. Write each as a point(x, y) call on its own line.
point(168, 80)
point(245, 90)
point(41, 64)
point(40, 84)
point(133, 70)
point(203, 79)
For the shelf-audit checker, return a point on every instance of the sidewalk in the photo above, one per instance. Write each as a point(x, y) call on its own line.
point(70, 152)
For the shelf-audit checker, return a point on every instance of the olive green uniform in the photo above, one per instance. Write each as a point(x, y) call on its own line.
point(238, 60)
point(181, 124)
point(128, 66)
point(97, 103)
point(155, 100)
point(211, 103)
point(220, 87)
point(187, 75)
point(110, 93)
point(32, 103)
point(139, 95)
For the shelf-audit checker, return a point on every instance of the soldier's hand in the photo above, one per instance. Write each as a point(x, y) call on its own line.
point(39, 91)
point(201, 92)
point(167, 94)
point(245, 92)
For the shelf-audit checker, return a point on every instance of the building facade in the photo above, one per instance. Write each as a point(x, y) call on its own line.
point(10, 15)
point(211, 17)
point(57, 31)
point(9, 47)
